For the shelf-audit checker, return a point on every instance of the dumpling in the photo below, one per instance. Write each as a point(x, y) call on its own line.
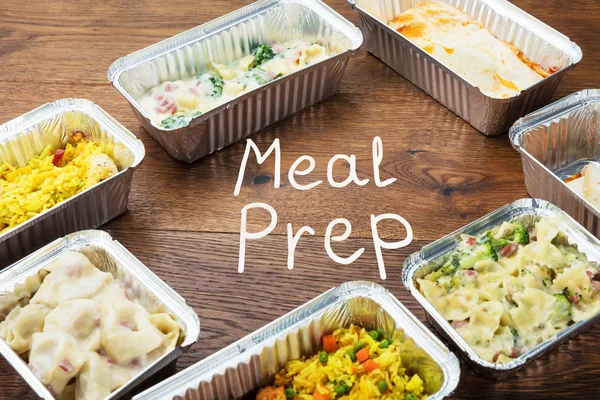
point(93, 382)
point(55, 359)
point(127, 332)
point(20, 324)
point(72, 276)
point(168, 327)
point(78, 318)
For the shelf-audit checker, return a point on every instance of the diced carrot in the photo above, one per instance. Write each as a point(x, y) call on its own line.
point(354, 370)
point(319, 396)
point(362, 355)
point(329, 343)
point(370, 365)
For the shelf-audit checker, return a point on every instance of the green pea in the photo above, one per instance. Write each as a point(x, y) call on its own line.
point(358, 346)
point(382, 386)
point(341, 388)
point(410, 396)
point(384, 344)
point(381, 333)
point(352, 355)
point(323, 357)
point(374, 335)
point(290, 393)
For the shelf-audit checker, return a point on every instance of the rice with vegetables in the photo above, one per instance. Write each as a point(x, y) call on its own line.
point(359, 364)
point(51, 178)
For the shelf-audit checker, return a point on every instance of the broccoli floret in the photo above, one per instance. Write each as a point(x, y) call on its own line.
point(499, 243)
point(262, 54)
point(175, 122)
point(520, 235)
point(449, 267)
point(487, 248)
point(561, 310)
point(217, 85)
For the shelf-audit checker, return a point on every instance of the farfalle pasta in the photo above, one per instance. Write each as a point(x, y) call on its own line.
point(83, 333)
point(513, 287)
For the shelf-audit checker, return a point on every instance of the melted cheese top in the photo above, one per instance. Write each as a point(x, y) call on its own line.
point(497, 68)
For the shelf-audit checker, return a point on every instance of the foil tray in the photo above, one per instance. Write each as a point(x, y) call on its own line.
point(555, 143)
point(421, 263)
point(491, 116)
point(224, 40)
point(251, 362)
point(107, 255)
point(52, 124)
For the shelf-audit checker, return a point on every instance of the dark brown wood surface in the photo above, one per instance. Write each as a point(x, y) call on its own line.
point(183, 220)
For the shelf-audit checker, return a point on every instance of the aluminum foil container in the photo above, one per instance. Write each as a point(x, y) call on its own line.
point(555, 143)
point(225, 40)
point(491, 116)
point(252, 362)
point(52, 124)
point(107, 255)
point(528, 211)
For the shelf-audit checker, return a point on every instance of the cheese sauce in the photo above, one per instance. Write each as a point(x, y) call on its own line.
point(497, 68)
point(174, 104)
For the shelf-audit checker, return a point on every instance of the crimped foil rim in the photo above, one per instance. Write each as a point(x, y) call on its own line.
point(549, 113)
point(152, 283)
point(573, 50)
point(19, 125)
point(417, 259)
point(168, 45)
point(293, 320)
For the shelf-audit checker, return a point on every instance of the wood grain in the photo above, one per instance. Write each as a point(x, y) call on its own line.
point(183, 221)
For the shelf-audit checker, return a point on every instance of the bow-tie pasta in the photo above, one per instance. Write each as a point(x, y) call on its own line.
point(83, 333)
point(512, 287)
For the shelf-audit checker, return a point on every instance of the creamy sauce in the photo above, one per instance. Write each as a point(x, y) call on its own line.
point(465, 45)
point(174, 104)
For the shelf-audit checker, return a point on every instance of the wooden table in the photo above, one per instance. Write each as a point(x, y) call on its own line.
point(183, 220)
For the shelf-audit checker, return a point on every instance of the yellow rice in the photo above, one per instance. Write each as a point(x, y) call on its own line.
point(27, 191)
point(408, 371)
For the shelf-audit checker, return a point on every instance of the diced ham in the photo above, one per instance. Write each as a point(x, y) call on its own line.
point(170, 87)
point(58, 157)
point(128, 325)
point(596, 285)
point(135, 362)
point(471, 240)
point(160, 97)
point(470, 272)
point(509, 250)
point(271, 74)
point(166, 106)
point(459, 324)
point(111, 361)
point(66, 366)
point(574, 299)
point(515, 353)
point(193, 90)
point(533, 238)
point(590, 274)
point(496, 355)
point(277, 48)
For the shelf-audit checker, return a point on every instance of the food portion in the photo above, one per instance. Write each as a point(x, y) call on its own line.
point(497, 68)
point(513, 287)
point(174, 104)
point(358, 364)
point(587, 183)
point(83, 333)
point(51, 178)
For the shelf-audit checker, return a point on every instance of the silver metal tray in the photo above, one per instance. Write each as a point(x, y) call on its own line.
point(422, 263)
point(224, 40)
point(252, 361)
point(555, 143)
point(491, 116)
point(52, 124)
point(109, 256)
